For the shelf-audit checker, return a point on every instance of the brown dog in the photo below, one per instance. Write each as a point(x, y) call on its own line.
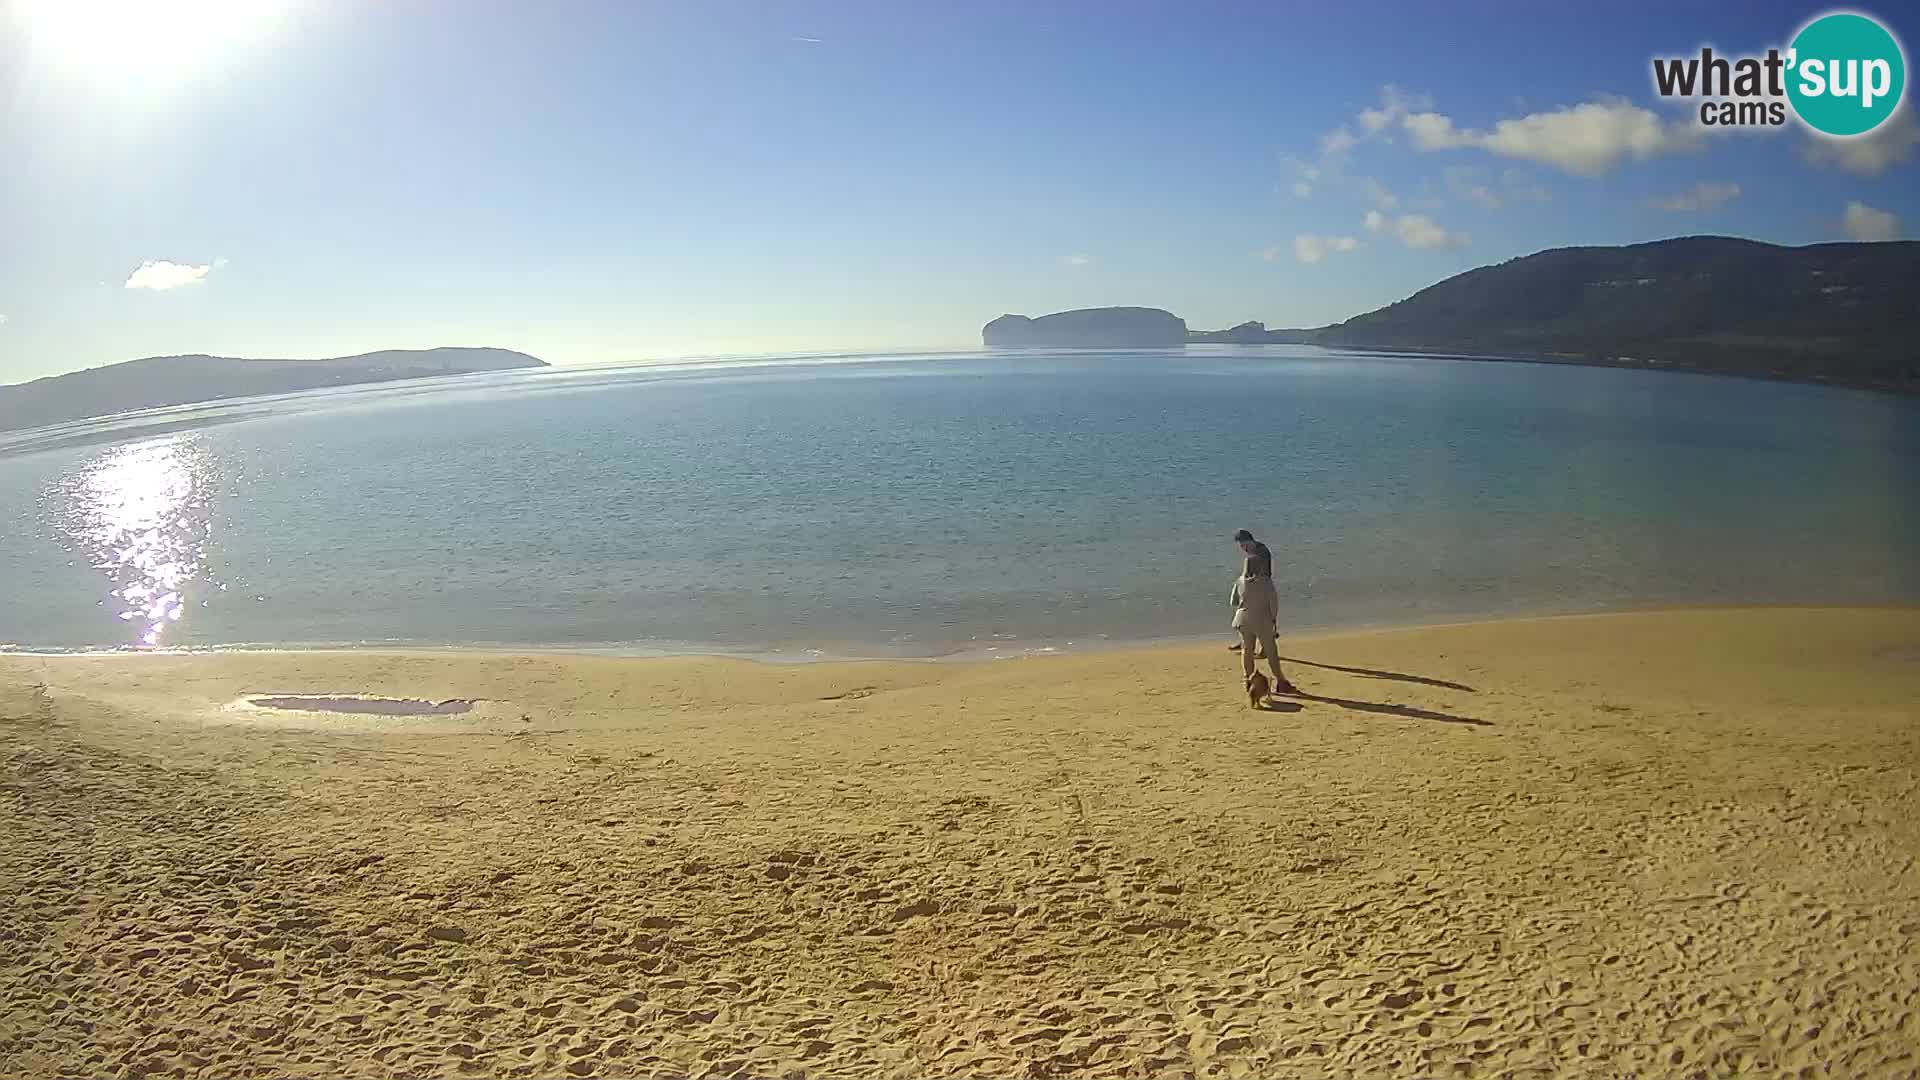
point(1258, 689)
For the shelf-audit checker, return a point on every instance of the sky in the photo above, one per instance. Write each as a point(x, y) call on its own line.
point(613, 181)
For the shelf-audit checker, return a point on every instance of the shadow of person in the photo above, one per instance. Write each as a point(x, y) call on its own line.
point(1407, 712)
point(1275, 705)
point(1373, 673)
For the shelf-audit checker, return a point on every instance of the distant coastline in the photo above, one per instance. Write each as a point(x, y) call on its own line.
point(1843, 315)
point(1908, 389)
point(162, 381)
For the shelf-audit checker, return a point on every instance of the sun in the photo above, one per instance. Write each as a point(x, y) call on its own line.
point(136, 38)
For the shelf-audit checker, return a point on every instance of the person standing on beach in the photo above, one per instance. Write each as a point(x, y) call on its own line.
point(1256, 610)
point(1259, 556)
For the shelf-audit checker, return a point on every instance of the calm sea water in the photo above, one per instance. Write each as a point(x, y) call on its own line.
point(933, 504)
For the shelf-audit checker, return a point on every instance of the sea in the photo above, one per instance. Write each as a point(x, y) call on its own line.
point(960, 504)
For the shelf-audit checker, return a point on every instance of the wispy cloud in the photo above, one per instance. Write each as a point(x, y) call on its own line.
point(1466, 184)
point(1479, 187)
point(1377, 193)
point(1421, 231)
point(1077, 260)
point(1400, 113)
point(1476, 185)
point(1306, 174)
point(1329, 167)
point(1870, 225)
point(1312, 249)
point(1337, 142)
point(1866, 155)
point(1701, 196)
point(1394, 106)
point(3, 320)
point(1417, 231)
point(809, 40)
point(1585, 140)
point(160, 275)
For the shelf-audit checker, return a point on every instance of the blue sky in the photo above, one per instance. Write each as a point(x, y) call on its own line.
point(615, 181)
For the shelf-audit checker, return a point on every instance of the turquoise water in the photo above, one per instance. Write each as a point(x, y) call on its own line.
point(926, 505)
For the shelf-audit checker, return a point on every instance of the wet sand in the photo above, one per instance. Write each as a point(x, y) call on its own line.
point(1668, 844)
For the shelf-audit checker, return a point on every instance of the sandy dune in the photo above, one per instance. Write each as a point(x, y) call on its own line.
point(1677, 844)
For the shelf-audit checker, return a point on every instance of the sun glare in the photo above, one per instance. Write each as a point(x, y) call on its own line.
point(139, 38)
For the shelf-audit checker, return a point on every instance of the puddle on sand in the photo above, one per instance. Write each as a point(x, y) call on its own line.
point(353, 703)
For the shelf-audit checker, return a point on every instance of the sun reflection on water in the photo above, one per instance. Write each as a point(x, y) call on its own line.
point(141, 514)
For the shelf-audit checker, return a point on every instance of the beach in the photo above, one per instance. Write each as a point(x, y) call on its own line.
point(1668, 843)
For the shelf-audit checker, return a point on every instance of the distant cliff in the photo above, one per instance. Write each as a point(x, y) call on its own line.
point(180, 380)
point(1111, 327)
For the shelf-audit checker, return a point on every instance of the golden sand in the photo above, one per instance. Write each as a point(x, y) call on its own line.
point(1668, 844)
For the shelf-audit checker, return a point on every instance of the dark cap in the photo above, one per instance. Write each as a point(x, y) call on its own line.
point(1243, 537)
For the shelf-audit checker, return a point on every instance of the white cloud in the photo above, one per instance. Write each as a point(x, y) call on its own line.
point(1337, 142)
point(1420, 231)
point(1866, 224)
point(161, 275)
point(1077, 260)
point(1589, 139)
point(1413, 113)
point(1866, 155)
point(1582, 139)
point(1415, 230)
point(1701, 196)
point(1312, 249)
point(1432, 131)
point(1394, 106)
point(3, 320)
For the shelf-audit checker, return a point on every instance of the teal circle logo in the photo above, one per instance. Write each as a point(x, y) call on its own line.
point(1846, 74)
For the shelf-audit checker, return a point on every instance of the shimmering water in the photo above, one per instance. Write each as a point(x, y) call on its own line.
point(931, 504)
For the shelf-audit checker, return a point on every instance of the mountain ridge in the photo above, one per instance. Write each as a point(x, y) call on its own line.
point(1834, 312)
point(152, 382)
point(1844, 313)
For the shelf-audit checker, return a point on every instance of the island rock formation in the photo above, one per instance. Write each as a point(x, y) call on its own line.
point(1109, 327)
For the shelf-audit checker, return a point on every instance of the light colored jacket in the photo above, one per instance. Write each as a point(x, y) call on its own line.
point(1255, 603)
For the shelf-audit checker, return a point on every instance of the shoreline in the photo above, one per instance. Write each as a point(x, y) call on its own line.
point(807, 656)
point(1908, 390)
